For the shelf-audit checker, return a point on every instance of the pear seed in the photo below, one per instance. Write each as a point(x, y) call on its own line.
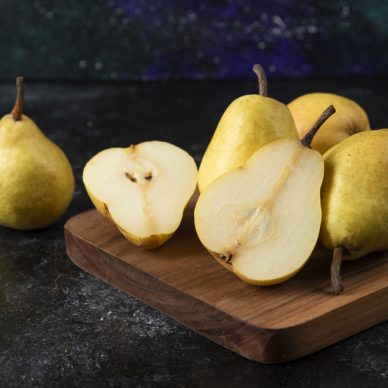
point(106, 209)
point(130, 177)
point(228, 258)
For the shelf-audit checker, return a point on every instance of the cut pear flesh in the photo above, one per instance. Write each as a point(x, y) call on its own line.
point(262, 220)
point(143, 189)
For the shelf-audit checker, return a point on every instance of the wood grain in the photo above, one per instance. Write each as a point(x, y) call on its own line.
point(265, 324)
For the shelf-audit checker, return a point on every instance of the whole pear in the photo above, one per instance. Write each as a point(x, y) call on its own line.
point(354, 199)
point(248, 123)
point(37, 181)
point(349, 119)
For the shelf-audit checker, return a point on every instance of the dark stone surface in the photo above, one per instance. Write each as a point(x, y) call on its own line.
point(60, 327)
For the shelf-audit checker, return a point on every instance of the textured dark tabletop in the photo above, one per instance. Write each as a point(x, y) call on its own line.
point(60, 327)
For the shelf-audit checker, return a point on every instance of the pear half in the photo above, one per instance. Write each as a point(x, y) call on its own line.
point(262, 220)
point(143, 189)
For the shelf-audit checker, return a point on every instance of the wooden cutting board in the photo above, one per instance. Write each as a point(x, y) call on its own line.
point(266, 324)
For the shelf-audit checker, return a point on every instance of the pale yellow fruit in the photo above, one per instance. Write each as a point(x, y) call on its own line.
point(37, 181)
point(349, 119)
point(143, 189)
point(248, 123)
point(355, 197)
point(262, 220)
point(355, 194)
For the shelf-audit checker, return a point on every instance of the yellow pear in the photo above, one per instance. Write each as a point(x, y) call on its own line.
point(349, 119)
point(248, 123)
point(37, 181)
point(261, 221)
point(355, 199)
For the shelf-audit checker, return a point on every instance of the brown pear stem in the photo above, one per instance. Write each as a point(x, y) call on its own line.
point(308, 138)
point(17, 110)
point(261, 77)
point(336, 283)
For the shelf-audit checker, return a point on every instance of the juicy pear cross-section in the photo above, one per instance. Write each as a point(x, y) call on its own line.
point(143, 189)
point(262, 220)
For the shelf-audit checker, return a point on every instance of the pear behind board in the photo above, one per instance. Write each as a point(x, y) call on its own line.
point(350, 118)
point(247, 124)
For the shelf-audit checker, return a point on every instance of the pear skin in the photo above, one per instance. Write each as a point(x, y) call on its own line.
point(37, 181)
point(248, 123)
point(354, 198)
point(349, 119)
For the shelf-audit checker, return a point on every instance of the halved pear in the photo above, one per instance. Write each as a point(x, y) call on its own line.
point(143, 189)
point(262, 220)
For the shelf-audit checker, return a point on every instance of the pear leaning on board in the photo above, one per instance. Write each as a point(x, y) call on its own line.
point(261, 221)
point(248, 123)
point(349, 119)
point(355, 199)
point(37, 181)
